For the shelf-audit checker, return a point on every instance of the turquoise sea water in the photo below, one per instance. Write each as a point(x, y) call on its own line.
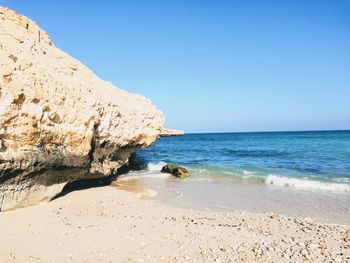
point(294, 173)
point(310, 160)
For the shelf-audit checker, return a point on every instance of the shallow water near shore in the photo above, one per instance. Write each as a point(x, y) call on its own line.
point(304, 174)
point(224, 196)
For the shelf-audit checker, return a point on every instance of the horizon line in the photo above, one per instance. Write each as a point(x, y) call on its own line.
point(281, 131)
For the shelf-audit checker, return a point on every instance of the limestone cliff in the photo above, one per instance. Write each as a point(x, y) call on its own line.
point(56, 114)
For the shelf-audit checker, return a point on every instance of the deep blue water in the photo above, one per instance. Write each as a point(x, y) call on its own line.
point(315, 159)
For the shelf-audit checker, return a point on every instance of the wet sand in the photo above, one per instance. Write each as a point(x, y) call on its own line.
point(108, 224)
point(227, 195)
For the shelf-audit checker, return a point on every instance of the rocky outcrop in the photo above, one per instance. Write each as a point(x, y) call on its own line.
point(166, 132)
point(177, 171)
point(58, 121)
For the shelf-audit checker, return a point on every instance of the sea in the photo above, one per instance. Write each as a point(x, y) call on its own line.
point(303, 174)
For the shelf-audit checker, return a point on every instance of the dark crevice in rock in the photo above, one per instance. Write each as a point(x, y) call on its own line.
point(93, 144)
point(38, 173)
point(8, 174)
point(46, 176)
point(135, 164)
point(1, 201)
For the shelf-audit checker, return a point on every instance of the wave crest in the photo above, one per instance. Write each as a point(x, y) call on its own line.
point(155, 167)
point(306, 184)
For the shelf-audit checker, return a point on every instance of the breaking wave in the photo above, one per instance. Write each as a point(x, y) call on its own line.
point(307, 184)
point(155, 167)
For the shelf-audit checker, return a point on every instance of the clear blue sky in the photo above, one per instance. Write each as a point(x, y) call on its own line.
point(215, 65)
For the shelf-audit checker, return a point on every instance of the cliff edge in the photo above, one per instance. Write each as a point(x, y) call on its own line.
point(59, 122)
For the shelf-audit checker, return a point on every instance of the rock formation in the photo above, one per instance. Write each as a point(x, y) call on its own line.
point(166, 132)
point(59, 122)
point(177, 171)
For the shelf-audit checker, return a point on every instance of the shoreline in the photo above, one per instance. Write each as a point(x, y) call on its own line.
point(112, 225)
point(227, 195)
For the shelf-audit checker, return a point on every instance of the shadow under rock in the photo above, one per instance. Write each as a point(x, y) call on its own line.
point(136, 163)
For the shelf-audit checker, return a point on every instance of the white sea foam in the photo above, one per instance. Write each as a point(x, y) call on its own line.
point(155, 167)
point(179, 194)
point(152, 171)
point(246, 172)
point(131, 176)
point(307, 184)
point(201, 179)
point(342, 180)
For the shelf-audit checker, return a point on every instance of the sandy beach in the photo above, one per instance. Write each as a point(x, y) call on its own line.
point(239, 153)
point(108, 224)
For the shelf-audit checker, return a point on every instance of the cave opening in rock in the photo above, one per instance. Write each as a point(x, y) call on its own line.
point(136, 163)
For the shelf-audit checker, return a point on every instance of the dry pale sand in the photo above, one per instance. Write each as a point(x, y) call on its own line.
point(108, 224)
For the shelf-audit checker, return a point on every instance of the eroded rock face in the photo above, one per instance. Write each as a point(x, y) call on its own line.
point(57, 114)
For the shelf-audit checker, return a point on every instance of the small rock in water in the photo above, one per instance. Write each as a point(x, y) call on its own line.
point(177, 171)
